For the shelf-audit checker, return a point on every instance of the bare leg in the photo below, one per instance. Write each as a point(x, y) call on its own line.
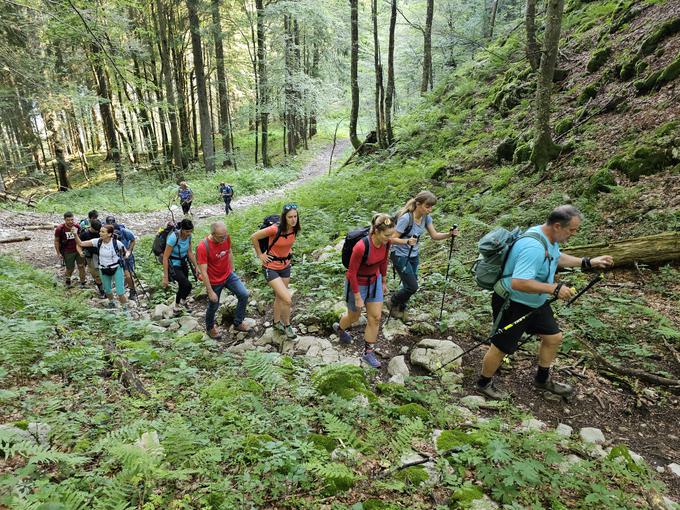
point(373, 314)
point(282, 299)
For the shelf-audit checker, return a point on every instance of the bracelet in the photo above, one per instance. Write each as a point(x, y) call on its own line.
point(556, 292)
point(585, 263)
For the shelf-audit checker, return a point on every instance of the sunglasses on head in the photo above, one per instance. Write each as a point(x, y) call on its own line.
point(386, 221)
point(288, 207)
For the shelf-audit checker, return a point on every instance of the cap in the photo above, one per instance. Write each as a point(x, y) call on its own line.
point(110, 220)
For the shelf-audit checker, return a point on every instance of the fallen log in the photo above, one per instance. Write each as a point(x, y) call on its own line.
point(126, 374)
point(653, 249)
point(14, 239)
point(15, 198)
point(39, 227)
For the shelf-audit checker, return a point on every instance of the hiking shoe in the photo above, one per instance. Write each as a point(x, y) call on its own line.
point(561, 389)
point(245, 328)
point(67, 283)
point(494, 393)
point(82, 285)
point(280, 328)
point(133, 295)
point(290, 334)
point(111, 305)
point(214, 334)
point(370, 358)
point(343, 335)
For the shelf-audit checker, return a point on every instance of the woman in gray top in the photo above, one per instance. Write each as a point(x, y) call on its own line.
point(413, 220)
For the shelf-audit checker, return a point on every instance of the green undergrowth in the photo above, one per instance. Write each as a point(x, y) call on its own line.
point(218, 432)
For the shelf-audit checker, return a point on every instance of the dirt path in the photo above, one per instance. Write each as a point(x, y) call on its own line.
point(39, 248)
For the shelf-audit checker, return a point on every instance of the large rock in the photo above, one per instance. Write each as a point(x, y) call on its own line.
point(241, 348)
point(35, 432)
point(564, 430)
point(187, 325)
point(432, 354)
point(591, 435)
point(394, 328)
point(312, 345)
point(674, 468)
point(161, 311)
point(397, 366)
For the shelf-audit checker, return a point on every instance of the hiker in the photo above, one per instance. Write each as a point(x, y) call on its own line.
point(227, 193)
point(90, 254)
point(276, 263)
point(186, 196)
point(216, 264)
point(66, 248)
point(529, 279)
point(412, 221)
point(85, 223)
point(112, 253)
point(366, 284)
point(175, 263)
point(127, 237)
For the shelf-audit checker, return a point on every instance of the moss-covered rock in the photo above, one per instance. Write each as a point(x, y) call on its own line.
point(624, 13)
point(598, 59)
point(413, 410)
point(627, 70)
point(451, 439)
point(413, 475)
point(645, 85)
point(669, 73)
point(227, 389)
point(602, 181)
point(323, 442)
point(378, 504)
point(564, 125)
point(640, 67)
point(522, 153)
point(465, 495)
point(668, 29)
point(506, 149)
point(346, 381)
point(192, 338)
point(643, 161)
point(588, 93)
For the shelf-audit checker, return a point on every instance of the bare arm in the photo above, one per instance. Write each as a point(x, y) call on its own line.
point(255, 239)
point(536, 287)
point(407, 240)
point(439, 236)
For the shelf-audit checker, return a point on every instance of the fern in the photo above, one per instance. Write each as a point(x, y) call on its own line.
point(262, 367)
point(407, 430)
point(12, 444)
point(341, 431)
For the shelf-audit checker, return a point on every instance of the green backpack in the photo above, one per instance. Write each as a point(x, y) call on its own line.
point(494, 249)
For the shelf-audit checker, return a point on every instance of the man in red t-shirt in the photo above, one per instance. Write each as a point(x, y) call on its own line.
point(216, 263)
point(65, 246)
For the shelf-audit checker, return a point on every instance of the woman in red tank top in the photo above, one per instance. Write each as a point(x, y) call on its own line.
point(276, 264)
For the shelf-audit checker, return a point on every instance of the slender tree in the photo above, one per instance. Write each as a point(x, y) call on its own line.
point(544, 148)
point(354, 66)
point(201, 89)
point(221, 84)
point(426, 81)
point(263, 82)
point(389, 93)
point(530, 25)
point(379, 89)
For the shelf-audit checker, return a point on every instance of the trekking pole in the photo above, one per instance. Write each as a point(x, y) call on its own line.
point(448, 265)
point(597, 278)
point(126, 263)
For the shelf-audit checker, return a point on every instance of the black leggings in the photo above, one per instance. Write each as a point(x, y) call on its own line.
point(181, 275)
point(227, 205)
point(185, 207)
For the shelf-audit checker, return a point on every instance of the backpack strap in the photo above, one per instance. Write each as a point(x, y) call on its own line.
point(207, 248)
point(367, 250)
point(409, 226)
point(276, 238)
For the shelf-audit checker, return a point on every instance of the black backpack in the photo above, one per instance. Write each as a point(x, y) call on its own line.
point(161, 240)
point(273, 219)
point(351, 239)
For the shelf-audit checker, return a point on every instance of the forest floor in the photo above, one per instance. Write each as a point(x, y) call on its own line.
point(39, 251)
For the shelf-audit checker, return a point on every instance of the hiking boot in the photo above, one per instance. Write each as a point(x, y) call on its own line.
point(561, 389)
point(280, 328)
point(101, 291)
point(344, 336)
point(126, 312)
point(290, 334)
point(82, 285)
point(370, 358)
point(214, 334)
point(111, 305)
point(245, 328)
point(67, 283)
point(494, 393)
point(133, 295)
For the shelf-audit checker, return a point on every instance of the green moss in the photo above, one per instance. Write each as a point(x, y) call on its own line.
point(598, 59)
point(646, 84)
point(192, 338)
point(563, 126)
point(601, 181)
point(413, 411)
point(413, 475)
point(465, 495)
point(588, 93)
point(229, 388)
point(323, 442)
point(643, 161)
point(666, 30)
point(449, 439)
point(21, 424)
point(378, 504)
point(522, 153)
point(640, 67)
point(667, 128)
point(627, 70)
point(255, 442)
point(669, 73)
point(346, 381)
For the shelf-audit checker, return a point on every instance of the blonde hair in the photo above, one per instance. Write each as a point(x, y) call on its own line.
point(381, 222)
point(424, 197)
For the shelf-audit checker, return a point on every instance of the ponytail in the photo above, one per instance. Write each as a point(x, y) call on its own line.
point(426, 197)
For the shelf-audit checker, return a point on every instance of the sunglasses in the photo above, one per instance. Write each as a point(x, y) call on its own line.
point(386, 221)
point(288, 207)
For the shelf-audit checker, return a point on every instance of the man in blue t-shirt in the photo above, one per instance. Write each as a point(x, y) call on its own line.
point(531, 266)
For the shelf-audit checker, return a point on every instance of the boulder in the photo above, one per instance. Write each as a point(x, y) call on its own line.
point(591, 435)
point(187, 325)
point(152, 328)
point(564, 430)
point(241, 348)
point(397, 379)
point(394, 329)
point(397, 366)
point(432, 354)
point(473, 401)
point(531, 424)
point(161, 311)
point(674, 468)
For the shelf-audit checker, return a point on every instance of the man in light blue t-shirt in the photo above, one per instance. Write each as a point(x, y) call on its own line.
point(529, 280)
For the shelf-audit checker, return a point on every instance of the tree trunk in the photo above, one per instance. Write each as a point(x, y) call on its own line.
point(289, 100)
point(544, 148)
point(256, 80)
point(106, 112)
point(379, 91)
point(314, 73)
point(144, 118)
point(184, 91)
point(492, 19)
point(530, 24)
point(169, 92)
point(425, 83)
point(221, 84)
point(262, 72)
point(654, 249)
point(354, 63)
point(389, 94)
point(201, 89)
